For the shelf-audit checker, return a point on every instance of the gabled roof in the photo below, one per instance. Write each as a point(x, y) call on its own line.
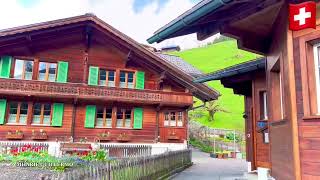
point(246, 67)
point(201, 91)
point(181, 64)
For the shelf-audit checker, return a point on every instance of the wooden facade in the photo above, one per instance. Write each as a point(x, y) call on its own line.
point(80, 79)
point(252, 85)
point(292, 68)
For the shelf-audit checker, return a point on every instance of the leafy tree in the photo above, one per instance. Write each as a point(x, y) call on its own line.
point(212, 107)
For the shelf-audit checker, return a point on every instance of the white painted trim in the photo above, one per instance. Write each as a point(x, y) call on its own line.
point(316, 64)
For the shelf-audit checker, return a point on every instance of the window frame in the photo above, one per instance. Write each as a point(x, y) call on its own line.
point(263, 106)
point(41, 114)
point(123, 109)
point(23, 67)
point(46, 79)
point(127, 71)
point(17, 122)
point(107, 77)
point(104, 119)
point(316, 59)
point(167, 123)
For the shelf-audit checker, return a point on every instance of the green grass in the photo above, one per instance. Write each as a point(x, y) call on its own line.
point(212, 58)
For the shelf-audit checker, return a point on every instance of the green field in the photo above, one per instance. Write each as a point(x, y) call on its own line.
point(212, 58)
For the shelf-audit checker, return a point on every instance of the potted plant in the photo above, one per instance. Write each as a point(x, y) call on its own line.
point(219, 155)
point(106, 136)
point(213, 155)
point(225, 154)
point(41, 135)
point(123, 137)
point(233, 154)
point(16, 135)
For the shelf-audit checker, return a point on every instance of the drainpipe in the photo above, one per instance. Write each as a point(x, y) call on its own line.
point(157, 133)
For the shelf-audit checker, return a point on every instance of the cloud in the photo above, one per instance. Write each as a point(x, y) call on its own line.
point(118, 13)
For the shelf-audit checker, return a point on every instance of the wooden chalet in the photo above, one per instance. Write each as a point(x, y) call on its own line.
point(79, 78)
point(292, 67)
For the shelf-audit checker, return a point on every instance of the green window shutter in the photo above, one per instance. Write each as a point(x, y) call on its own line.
point(62, 72)
point(140, 80)
point(137, 118)
point(57, 115)
point(5, 66)
point(90, 116)
point(93, 75)
point(3, 108)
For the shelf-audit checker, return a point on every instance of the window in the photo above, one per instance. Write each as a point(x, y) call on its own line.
point(124, 117)
point(23, 69)
point(18, 112)
point(180, 119)
point(317, 73)
point(106, 78)
point(41, 114)
point(47, 71)
point(173, 119)
point(126, 79)
point(104, 117)
point(263, 105)
point(166, 119)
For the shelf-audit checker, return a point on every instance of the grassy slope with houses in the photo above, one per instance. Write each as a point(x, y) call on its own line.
point(212, 58)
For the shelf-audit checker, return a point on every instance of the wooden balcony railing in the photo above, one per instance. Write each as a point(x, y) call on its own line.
point(83, 91)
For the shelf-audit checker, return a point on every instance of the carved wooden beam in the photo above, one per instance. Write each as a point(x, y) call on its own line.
point(129, 55)
point(88, 37)
point(162, 77)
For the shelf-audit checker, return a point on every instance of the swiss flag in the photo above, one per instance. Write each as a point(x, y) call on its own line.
point(302, 15)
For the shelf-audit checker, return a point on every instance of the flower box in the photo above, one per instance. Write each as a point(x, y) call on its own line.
point(123, 138)
point(39, 137)
point(173, 137)
point(104, 137)
point(14, 136)
point(75, 147)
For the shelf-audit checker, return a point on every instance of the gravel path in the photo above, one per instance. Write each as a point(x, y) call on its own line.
point(206, 168)
point(9, 172)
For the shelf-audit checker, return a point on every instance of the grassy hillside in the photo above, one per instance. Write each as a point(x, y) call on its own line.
point(212, 58)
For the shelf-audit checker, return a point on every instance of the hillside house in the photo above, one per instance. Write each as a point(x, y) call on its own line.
point(79, 78)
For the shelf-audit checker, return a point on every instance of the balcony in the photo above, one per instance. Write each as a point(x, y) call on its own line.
point(86, 92)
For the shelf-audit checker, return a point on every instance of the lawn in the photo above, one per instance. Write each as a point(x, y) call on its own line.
point(212, 58)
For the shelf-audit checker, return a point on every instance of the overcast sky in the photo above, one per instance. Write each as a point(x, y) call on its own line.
point(136, 18)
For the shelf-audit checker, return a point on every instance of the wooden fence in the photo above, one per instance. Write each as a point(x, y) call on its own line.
point(125, 151)
point(149, 167)
point(6, 146)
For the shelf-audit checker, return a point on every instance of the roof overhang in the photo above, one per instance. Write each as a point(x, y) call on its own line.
point(249, 21)
point(239, 69)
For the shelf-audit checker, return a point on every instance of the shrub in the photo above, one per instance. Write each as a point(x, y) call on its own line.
point(231, 136)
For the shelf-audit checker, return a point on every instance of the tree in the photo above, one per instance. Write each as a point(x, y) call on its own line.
point(212, 107)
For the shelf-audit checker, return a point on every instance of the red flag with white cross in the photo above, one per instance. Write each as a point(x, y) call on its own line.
point(302, 16)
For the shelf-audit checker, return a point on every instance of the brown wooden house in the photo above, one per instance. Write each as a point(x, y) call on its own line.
point(292, 57)
point(79, 77)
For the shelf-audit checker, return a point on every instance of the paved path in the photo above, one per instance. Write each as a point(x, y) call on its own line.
point(206, 168)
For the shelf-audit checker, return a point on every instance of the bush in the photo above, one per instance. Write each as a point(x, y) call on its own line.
point(201, 145)
point(231, 136)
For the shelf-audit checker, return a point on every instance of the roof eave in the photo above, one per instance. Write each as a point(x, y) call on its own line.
point(258, 64)
point(186, 20)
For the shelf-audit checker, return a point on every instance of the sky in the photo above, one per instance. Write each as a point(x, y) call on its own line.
point(138, 19)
